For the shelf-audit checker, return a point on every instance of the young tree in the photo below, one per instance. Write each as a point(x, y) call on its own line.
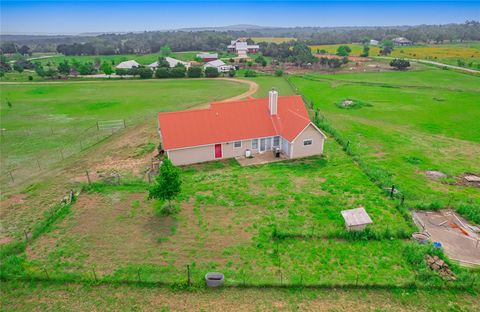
point(250, 73)
point(64, 68)
point(18, 67)
point(2, 73)
point(168, 184)
point(121, 72)
point(165, 50)
point(162, 62)
point(366, 50)
point(39, 69)
point(279, 73)
point(343, 50)
point(178, 72)
point(400, 64)
point(195, 72)
point(211, 72)
point(107, 69)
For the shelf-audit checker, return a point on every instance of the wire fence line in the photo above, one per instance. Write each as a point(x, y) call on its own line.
point(19, 168)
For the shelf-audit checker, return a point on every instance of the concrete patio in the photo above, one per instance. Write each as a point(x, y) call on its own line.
point(259, 159)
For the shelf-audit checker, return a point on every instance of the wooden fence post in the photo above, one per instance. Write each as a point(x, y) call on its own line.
point(98, 128)
point(11, 176)
point(124, 124)
point(61, 153)
point(391, 191)
point(88, 177)
point(26, 235)
point(46, 273)
point(38, 164)
point(94, 274)
point(402, 200)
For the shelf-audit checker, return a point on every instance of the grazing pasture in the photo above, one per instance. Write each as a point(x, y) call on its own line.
point(272, 39)
point(48, 121)
point(415, 121)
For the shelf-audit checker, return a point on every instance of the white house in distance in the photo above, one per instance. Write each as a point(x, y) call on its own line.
point(128, 64)
point(171, 62)
point(242, 47)
point(241, 128)
point(220, 65)
point(401, 41)
point(373, 42)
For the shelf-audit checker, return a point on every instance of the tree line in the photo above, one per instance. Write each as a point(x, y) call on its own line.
point(152, 41)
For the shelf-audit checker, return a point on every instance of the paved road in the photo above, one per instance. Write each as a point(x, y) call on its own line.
point(433, 63)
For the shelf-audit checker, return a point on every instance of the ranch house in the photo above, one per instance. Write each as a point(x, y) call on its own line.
point(240, 129)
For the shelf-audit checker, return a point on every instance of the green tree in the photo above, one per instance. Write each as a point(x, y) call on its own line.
point(343, 50)
point(165, 50)
point(279, 73)
point(145, 73)
point(232, 73)
point(2, 73)
point(39, 69)
point(178, 72)
point(64, 68)
point(162, 72)
point(168, 184)
point(211, 72)
point(121, 72)
point(250, 73)
point(400, 64)
point(366, 50)
point(195, 72)
point(18, 67)
point(107, 68)
point(162, 62)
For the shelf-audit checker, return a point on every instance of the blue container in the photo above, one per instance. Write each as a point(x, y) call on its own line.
point(437, 245)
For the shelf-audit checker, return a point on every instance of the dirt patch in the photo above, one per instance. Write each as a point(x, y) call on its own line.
point(13, 200)
point(5, 240)
point(433, 174)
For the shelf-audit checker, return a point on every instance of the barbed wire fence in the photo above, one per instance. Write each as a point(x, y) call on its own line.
point(19, 168)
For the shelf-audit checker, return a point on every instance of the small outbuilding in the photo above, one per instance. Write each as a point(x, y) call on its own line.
point(356, 219)
point(207, 57)
point(220, 65)
point(171, 62)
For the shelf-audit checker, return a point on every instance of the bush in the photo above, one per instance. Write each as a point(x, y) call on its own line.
point(400, 64)
point(211, 72)
point(166, 208)
point(231, 73)
point(250, 73)
point(30, 78)
point(279, 73)
point(145, 73)
point(162, 72)
point(178, 72)
point(195, 72)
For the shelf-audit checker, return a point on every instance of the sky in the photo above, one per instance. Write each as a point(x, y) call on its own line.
point(74, 17)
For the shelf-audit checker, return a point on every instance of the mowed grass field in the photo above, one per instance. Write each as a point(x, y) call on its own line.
point(417, 121)
point(46, 118)
point(444, 53)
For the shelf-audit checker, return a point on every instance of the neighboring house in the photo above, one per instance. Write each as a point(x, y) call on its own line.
point(220, 65)
point(373, 42)
point(128, 64)
point(230, 129)
point(240, 46)
point(171, 61)
point(207, 57)
point(401, 41)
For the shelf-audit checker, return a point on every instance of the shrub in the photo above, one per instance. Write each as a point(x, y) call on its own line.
point(231, 73)
point(162, 72)
point(30, 78)
point(195, 72)
point(145, 73)
point(250, 73)
point(178, 72)
point(279, 73)
point(211, 72)
point(166, 208)
point(400, 64)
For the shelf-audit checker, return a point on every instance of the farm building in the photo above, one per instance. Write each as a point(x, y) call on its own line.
point(373, 42)
point(356, 219)
point(241, 47)
point(401, 41)
point(128, 64)
point(171, 61)
point(220, 65)
point(207, 57)
point(239, 129)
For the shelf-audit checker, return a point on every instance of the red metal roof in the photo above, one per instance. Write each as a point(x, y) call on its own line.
point(233, 121)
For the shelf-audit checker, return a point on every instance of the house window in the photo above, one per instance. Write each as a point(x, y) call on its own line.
point(307, 142)
point(237, 144)
point(276, 141)
point(255, 144)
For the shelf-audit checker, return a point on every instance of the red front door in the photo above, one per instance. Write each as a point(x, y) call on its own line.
point(218, 150)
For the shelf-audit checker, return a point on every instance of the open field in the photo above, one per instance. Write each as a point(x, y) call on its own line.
point(413, 123)
point(444, 53)
point(51, 297)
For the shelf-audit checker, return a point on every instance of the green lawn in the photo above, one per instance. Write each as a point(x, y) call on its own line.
point(417, 121)
point(44, 118)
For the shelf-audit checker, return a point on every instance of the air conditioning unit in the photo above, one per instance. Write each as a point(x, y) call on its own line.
point(248, 153)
